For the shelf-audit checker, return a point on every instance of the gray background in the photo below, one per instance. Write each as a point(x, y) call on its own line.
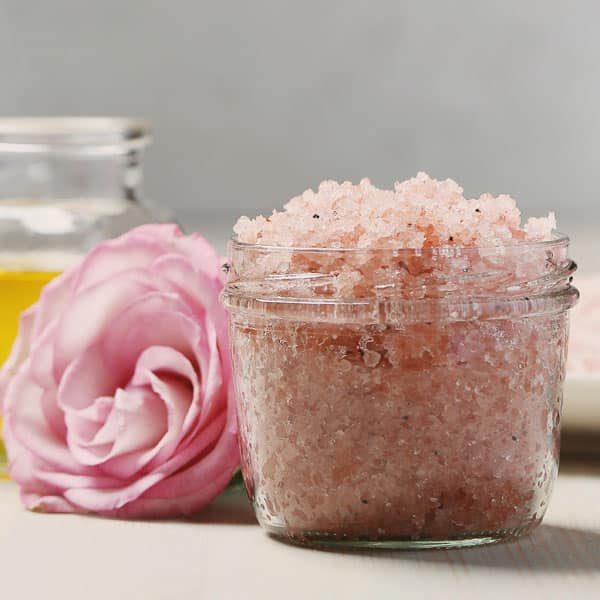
point(255, 101)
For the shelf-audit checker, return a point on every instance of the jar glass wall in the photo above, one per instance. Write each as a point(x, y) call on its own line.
point(65, 185)
point(399, 398)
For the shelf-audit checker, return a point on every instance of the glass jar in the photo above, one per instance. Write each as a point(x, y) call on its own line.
point(65, 185)
point(399, 398)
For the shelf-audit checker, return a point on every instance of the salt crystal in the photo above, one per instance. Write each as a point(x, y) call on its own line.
point(418, 213)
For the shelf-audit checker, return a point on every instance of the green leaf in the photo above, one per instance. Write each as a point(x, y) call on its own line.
point(237, 480)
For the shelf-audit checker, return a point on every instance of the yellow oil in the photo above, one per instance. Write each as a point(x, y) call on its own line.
point(18, 291)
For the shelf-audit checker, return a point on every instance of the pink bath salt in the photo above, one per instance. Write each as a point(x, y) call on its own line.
point(418, 213)
point(584, 341)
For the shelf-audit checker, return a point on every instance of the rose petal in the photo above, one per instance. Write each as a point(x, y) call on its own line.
point(152, 320)
point(53, 299)
point(160, 360)
point(181, 399)
point(136, 422)
point(83, 395)
point(191, 489)
point(97, 412)
point(26, 421)
point(177, 398)
point(92, 312)
point(19, 351)
point(200, 289)
point(107, 501)
point(55, 418)
point(85, 379)
point(163, 359)
point(200, 254)
point(50, 504)
point(213, 390)
point(135, 251)
point(67, 480)
point(42, 357)
point(83, 425)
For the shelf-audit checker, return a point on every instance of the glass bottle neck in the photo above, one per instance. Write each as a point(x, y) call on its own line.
point(55, 177)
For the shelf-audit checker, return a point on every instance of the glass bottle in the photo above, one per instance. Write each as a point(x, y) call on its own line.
point(65, 185)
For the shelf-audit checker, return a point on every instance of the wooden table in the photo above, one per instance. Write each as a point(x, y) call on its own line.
point(224, 554)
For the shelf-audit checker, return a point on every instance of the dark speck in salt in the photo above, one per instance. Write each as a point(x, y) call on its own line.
point(451, 238)
point(514, 438)
point(477, 210)
point(405, 418)
point(365, 501)
point(316, 216)
point(226, 268)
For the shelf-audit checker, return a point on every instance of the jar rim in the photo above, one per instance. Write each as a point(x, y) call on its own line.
point(461, 282)
point(78, 135)
point(395, 312)
point(557, 239)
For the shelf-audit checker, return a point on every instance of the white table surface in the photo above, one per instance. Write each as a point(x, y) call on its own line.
point(224, 554)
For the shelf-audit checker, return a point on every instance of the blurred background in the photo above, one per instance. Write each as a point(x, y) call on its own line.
point(252, 102)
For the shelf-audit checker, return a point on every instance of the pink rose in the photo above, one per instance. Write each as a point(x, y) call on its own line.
point(116, 396)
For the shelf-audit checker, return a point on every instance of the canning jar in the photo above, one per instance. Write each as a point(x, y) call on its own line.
point(65, 185)
point(399, 398)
